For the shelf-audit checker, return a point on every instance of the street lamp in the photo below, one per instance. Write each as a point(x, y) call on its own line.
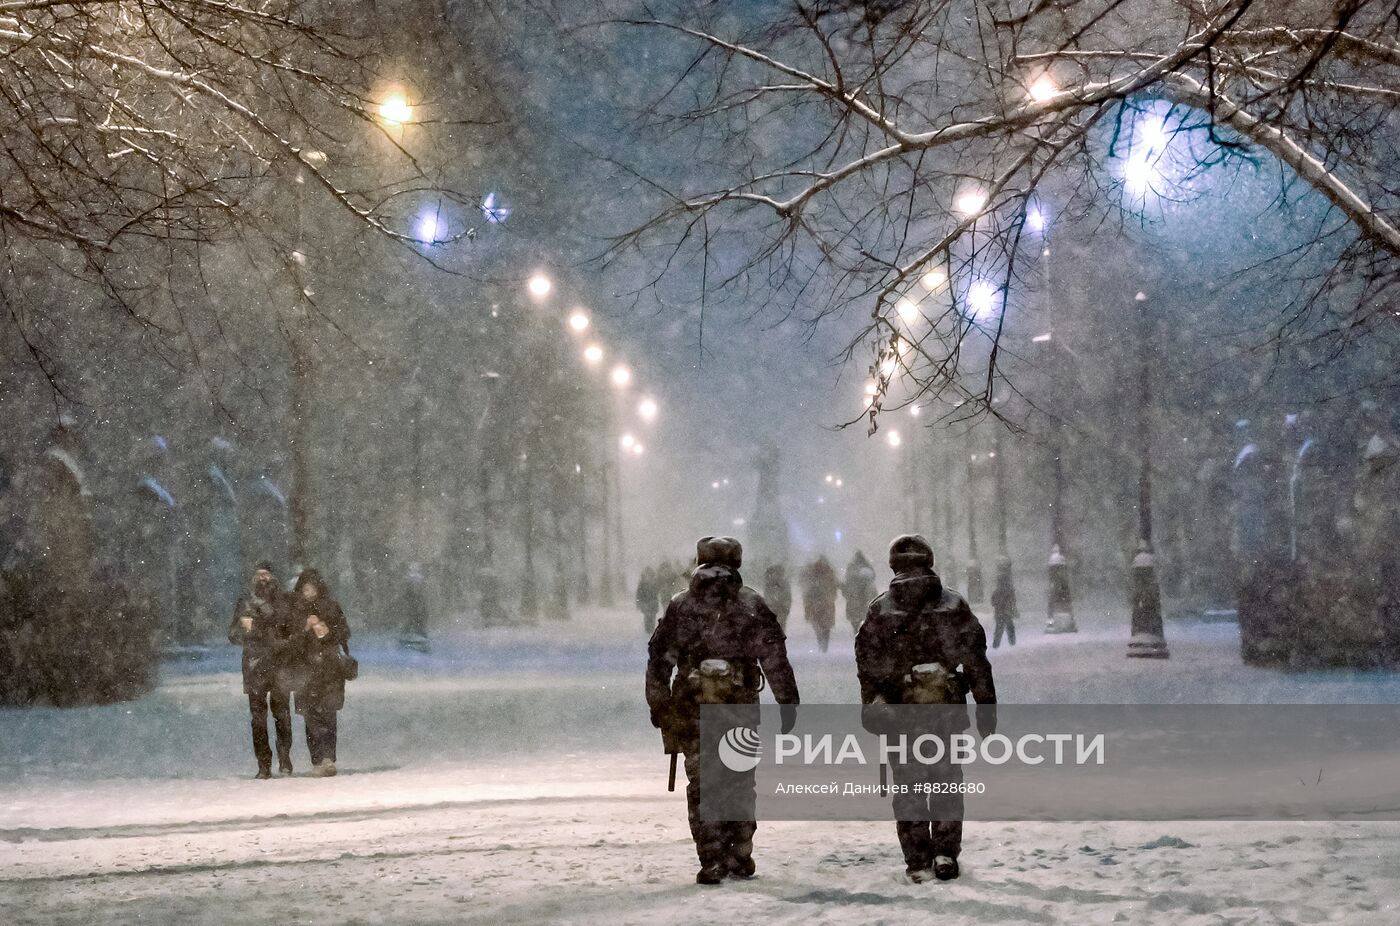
point(593, 355)
point(1004, 610)
point(395, 110)
point(1043, 88)
point(648, 409)
point(974, 567)
point(1148, 640)
point(981, 299)
point(621, 376)
point(971, 202)
point(579, 321)
point(539, 286)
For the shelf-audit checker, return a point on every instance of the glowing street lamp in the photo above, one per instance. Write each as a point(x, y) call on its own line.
point(540, 285)
point(971, 202)
point(1139, 173)
point(894, 439)
point(395, 110)
point(935, 279)
point(627, 441)
point(579, 321)
point(981, 299)
point(907, 310)
point(1035, 219)
point(430, 228)
point(621, 376)
point(637, 450)
point(593, 355)
point(830, 478)
point(647, 408)
point(1043, 88)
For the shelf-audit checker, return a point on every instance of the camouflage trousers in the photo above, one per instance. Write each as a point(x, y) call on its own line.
point(718, 841)
point(928, 824)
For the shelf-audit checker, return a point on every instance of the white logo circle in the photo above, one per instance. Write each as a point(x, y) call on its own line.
point(740, 749)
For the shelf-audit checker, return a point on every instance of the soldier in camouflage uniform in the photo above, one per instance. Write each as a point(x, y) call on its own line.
point(716, 643)
point(921, 644)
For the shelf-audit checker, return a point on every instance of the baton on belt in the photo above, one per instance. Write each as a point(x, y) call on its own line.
point(671, 779)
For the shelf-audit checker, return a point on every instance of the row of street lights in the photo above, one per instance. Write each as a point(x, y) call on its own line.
point(623, 430)
point(980, 299)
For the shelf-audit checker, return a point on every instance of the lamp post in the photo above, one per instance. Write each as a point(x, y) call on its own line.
point(974, 567)
point(1147, 640)
point(1004, 607)
point(1060, 600)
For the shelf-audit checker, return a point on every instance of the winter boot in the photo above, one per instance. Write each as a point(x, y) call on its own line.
point(284, 761)
point(919, 875)
point(945, 868)
point(264, 773)
point(326, 769)
point(740, 866)
point(709, 873)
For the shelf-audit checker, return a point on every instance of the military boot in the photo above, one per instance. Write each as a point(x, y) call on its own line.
point(709, 873)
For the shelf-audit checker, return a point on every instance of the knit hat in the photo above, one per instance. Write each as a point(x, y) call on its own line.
point(719, 551)
point(910, 551)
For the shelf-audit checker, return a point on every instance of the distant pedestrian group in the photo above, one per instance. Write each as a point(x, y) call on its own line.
point(296, 652)
point(818, 580)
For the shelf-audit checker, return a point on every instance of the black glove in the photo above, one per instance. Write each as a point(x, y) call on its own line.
point(660, 716)
point(789, 715)
point(986, 719)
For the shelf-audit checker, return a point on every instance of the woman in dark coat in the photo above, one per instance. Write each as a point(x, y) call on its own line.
point(321, 631)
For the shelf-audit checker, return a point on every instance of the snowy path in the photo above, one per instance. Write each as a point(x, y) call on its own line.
point(516, 781)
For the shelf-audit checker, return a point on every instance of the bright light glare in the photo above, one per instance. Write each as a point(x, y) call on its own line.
point(981, 298)
point(579, 321)
point(429, 228)
point(1035, 219)
point(970, 202)
point(540, 285)
point(395, 110)
point(871, 388)
point(894, 439)
point(621, 376)
point(1155, 134)
point(1138, 174)
point(914, 411)
point(627, 441)
point(1043, 89)
point(647, 409)
point(907, 310)
point(637, 449)
point(888, 366)
point(830, 478)
point(593, 355)
point(934, 279)
point(1041, 338)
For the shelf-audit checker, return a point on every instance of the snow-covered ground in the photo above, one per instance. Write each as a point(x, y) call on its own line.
point(511, 777)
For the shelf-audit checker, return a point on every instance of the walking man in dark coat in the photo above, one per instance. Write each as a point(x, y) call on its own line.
point(648, 597)
point(819, 588)
point(921, 644)
point(719, 639)
point(777, 591)
point(858, 589)
point(262, 625)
